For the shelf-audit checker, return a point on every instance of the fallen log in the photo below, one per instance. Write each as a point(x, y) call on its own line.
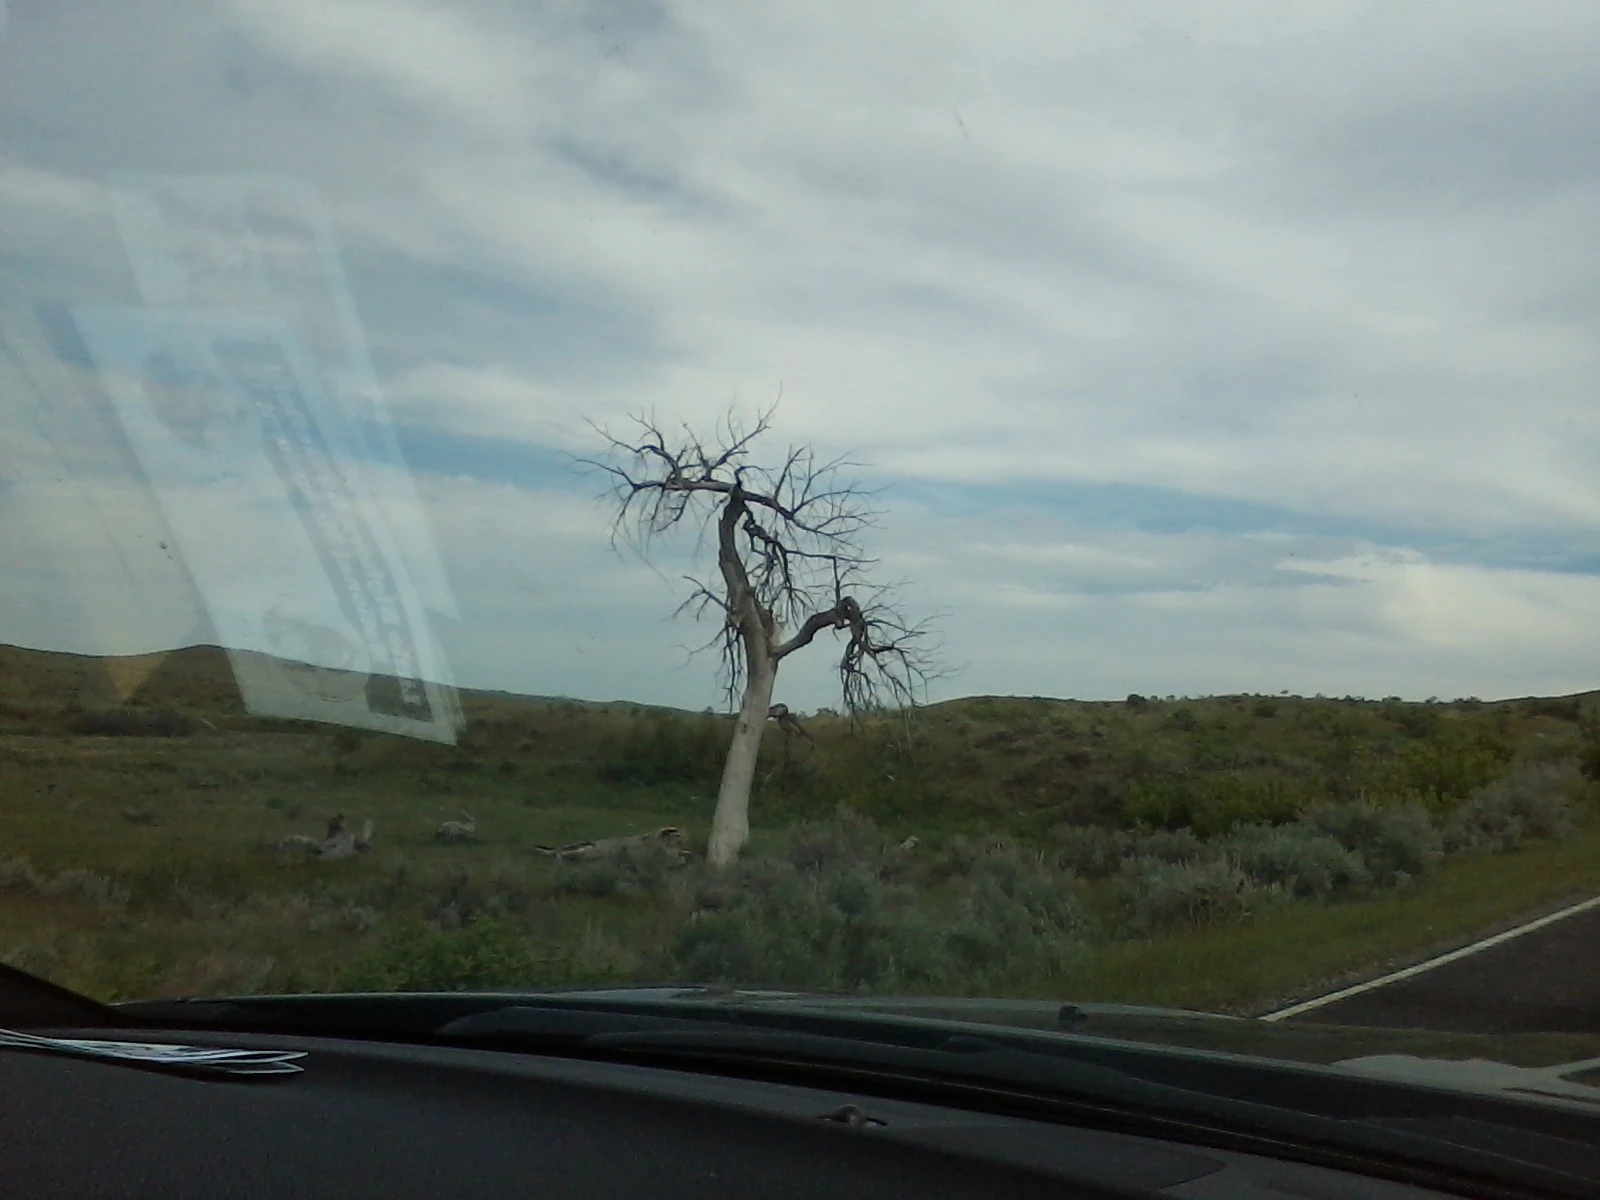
point(669, 839)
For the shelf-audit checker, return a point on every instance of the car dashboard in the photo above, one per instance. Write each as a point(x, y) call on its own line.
point(371, 1118)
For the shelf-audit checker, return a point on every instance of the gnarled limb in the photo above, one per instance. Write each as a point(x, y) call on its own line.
point(787, 556)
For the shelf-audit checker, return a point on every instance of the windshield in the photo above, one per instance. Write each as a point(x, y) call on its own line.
point(1077, 502)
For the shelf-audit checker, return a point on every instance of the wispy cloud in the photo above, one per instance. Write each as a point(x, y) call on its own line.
point(1254, 343)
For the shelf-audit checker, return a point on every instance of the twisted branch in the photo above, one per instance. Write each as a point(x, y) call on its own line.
point(788, 555)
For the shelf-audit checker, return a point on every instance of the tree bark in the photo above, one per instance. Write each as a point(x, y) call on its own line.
point(730, 825)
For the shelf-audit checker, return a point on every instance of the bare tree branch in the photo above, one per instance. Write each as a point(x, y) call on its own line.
point(788, 557)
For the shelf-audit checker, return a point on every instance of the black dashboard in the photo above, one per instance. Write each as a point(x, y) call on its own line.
point(399, 1121)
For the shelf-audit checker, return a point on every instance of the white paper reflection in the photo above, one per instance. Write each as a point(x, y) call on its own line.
point(257, 475)
point(265, 244)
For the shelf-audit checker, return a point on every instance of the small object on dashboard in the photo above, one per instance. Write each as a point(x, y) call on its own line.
point(192, 1060)
point(853, 1115)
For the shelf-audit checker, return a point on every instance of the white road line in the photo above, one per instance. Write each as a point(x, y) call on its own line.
point(1294, 1010)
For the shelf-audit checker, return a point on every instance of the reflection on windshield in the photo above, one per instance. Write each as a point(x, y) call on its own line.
point(607, 494)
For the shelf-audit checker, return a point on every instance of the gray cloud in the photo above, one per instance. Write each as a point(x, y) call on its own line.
point(1322, 274)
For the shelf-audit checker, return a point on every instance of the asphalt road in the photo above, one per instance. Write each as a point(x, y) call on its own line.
point(1545, 980)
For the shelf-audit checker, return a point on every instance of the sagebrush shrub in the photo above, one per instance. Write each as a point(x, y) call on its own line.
point(1170, 845)
point(1568, 708)
point(289, 908)
point(603, 877)
point(1398, 843)
point(77, 883)
point(836, 928)
point(1298, 859)
point(1156, 895)
point(484, 953)
point(19, 875)
point(956, 859)
point(1092, 851)
point(963, 857)
point(845, 927)
point(845, 841)
point(662, 747)
point(1018, 918)
point(629, 870)
point(1533, 802)
point(346, 918)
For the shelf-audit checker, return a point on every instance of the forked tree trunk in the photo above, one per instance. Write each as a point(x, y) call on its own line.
point(730, 824)
point(786, 552)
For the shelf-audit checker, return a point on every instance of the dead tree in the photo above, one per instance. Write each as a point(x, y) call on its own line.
point(789, 567)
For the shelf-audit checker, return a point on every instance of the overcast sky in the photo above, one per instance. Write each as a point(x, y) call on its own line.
point(1200, 347)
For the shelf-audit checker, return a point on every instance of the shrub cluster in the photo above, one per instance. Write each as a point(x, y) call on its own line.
point(487, 952)
point(19, 875)
point(830, 914)
point(1297, 859)
point(839, 929)
point(74, 883)
point(1170, 846)
point(667, 748)
point(1091, 851)
point(1398, 843)
point(1019, 917)
point(1537, 801)
point(1157, 895)
point(634, 870)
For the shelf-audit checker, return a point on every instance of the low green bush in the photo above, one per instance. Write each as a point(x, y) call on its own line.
point(1565, 708)
point(837, 929)
point(845, 927)
point(1155, 895)
point(1019, 918)
point(848, 840)
point(1298, 859)
point(1396, 842)
point(19, 875)
point(486, 952)
point(1537, 801)
point(74, 883)
point(1092, 851)
point(91, 887)
point(635, 870)
point(663, 747)
point(1170, 846)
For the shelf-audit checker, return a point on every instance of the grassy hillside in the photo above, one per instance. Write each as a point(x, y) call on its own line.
point(1215, 852)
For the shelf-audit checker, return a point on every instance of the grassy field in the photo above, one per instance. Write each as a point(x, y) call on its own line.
point(1157, 851)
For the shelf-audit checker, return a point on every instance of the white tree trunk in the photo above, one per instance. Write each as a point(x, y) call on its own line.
point(730, 825)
